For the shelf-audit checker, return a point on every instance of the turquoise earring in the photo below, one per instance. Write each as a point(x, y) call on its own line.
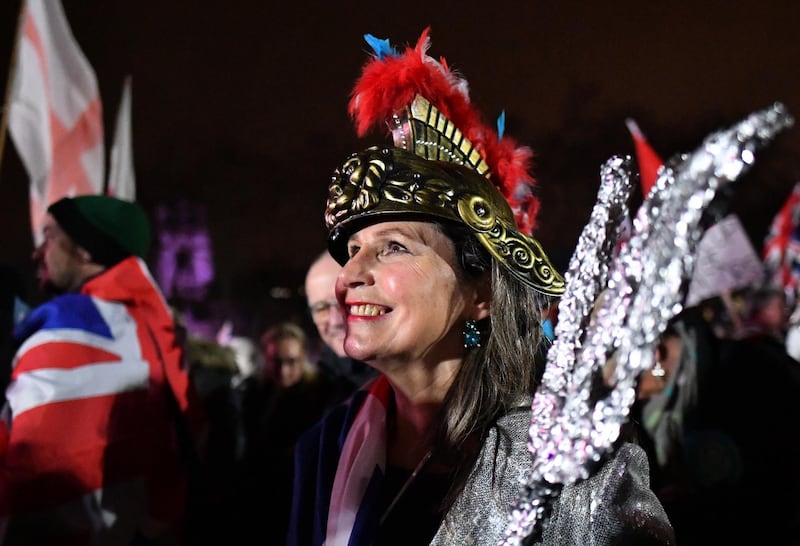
point(472, 336)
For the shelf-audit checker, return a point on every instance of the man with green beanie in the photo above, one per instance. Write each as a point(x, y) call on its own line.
point(87, 234)
point(99, 399)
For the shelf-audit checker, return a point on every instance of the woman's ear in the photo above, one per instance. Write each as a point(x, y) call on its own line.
point(483, 297)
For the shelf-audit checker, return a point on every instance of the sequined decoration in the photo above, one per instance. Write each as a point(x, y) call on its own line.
point(620, 294)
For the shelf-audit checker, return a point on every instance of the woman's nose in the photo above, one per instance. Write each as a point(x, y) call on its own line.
point(356, 271)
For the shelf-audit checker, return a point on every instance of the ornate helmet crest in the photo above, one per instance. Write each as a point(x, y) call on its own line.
point(445, 164)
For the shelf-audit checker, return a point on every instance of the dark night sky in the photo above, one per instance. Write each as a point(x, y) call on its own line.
point(243, 107)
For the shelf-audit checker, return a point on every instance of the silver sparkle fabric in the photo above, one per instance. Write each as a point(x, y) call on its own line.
point(614, 506)
point(620, 294)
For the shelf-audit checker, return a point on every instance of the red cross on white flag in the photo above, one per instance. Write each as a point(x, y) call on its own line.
point(55, 117)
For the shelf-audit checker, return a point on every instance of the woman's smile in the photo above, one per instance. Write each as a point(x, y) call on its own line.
point(357, 311)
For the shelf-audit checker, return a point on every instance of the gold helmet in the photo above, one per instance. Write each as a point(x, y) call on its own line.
point(440, 167)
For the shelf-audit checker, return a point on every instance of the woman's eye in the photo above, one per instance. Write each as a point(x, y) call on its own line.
point(352, 251)
point(393, 247)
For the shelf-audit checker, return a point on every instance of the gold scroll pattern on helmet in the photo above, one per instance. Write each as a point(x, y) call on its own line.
point(382, 182)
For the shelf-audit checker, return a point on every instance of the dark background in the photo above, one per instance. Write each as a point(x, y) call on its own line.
point(241, 105)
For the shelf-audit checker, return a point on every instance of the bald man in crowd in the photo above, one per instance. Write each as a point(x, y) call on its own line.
point(344, 373)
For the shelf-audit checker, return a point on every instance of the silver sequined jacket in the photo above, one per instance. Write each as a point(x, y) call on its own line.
point(613, 507)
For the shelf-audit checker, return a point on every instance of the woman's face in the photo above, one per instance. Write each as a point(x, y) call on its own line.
point(285, 358)
point(404, 300)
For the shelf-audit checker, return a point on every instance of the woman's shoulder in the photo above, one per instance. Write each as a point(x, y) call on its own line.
point(519, 414)
point(615, 505)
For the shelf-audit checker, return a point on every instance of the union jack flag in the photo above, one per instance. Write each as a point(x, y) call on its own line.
point(90, 431)
point(781, 252)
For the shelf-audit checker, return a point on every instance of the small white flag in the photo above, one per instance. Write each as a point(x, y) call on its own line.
point(121, 178)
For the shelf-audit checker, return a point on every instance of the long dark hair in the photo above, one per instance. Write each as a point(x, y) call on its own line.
point(501, 373)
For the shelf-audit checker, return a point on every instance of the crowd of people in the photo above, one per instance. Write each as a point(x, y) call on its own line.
point(410, 423)
point(714, 420)
point(123, 427)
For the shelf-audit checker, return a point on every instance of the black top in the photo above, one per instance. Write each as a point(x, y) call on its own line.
point(417, 514)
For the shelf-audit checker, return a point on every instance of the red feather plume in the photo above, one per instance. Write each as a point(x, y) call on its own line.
point(389, 84)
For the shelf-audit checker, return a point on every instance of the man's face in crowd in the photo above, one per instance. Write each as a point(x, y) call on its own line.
point(58, 259)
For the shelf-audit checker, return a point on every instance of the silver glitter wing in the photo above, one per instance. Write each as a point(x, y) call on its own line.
point(619, 297)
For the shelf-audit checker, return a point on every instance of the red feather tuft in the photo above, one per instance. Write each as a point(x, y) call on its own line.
point(388, 85)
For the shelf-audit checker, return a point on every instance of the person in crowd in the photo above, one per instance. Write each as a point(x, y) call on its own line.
point(281, 401)
point(286, 358)
point(715, 426)
point(443, 292)
point(101, 421)
point(767, 314)
point(342, 374)
point(213, 489)
point(667, 396)
point(735, 438)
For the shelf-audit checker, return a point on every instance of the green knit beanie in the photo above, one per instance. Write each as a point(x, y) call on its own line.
point(110, 229)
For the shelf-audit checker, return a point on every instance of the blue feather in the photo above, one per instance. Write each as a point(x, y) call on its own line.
point(501, 125)
point(381, 47)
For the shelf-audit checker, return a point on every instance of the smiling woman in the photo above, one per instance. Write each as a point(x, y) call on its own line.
point(444, 293)
point(395, 269)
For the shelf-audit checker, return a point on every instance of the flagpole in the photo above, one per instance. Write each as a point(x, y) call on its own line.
point(11, 75)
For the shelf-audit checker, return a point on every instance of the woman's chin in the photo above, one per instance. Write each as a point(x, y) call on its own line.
point(357, 351)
